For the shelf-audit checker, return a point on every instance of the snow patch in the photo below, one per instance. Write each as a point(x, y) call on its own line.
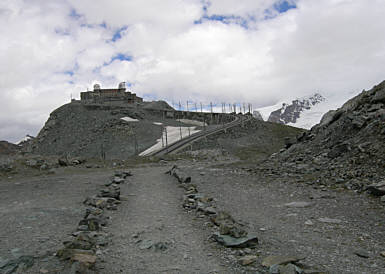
point(265, 111)
point(129, 119)
point(310, 117)
point(157, 123)
point(173, 135)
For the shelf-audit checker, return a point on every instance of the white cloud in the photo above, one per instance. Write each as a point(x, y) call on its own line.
point(51, 49)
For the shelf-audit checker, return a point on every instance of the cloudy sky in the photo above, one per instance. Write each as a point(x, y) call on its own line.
point(254, 51)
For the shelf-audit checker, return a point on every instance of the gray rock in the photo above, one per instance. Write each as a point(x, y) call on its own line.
point(298, 204)
point(117, 180)
point(279, 260)
point(229, 241)
point(289, 269)
point(362, 253)
point(146, 244)
point(377, 189)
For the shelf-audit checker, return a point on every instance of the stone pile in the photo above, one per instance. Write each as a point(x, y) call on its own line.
point(89, 237)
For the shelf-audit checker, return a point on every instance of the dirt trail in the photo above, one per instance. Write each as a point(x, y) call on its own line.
point(152, 232)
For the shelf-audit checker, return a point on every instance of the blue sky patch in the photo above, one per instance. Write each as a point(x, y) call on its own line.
point(118, 34)
point(225, 19)
point(284, 6)
point(74, 14)
point(69, 72)
point(121, 57)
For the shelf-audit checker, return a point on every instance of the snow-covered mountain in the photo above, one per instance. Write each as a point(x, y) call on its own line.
point(303, 112)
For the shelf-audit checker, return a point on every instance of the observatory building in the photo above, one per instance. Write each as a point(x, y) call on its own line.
point(99, 95)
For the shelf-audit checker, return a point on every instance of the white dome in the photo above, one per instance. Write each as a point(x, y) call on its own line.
point(96, 87)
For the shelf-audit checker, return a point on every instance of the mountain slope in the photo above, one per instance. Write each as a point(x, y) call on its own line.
point(346, 147)
point(289, 113)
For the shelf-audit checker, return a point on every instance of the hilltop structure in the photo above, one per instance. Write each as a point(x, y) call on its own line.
point(120, 95)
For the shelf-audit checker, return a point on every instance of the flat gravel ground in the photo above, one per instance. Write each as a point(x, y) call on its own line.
point(38, 213)
point(358, 224)
point(152, 233)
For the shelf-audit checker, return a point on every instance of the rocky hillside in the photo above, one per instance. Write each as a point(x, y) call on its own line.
point(97, 131)
point(347, 148)
point(251, 141)
point(289, 113)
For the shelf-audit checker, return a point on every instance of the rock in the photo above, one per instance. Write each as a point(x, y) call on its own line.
point(207, 210)
point(309, 222)
point(6, 167)
point(62, 162)
point(122, 174)
point(100, 202)
point(19, 265)
point(85, 259)
point(146, 244)
point(118, 180)
point(68, 253)
point(222, 217)
point(298, 204)
point(232, 229)
point(382, 199)
point(83, 228)
point(92, 223)
point(289, 269)
point(180, 175)
point(362, 253)
point(329, 220)
point(189, 203)
point(229, 241)
point(110, 192)
point(377, 189)
point(93, 211)
point(278, 260)
point(382, 253)
point(248, 259)
point(160, 246)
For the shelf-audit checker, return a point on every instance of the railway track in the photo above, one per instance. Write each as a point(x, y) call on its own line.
point(172, 148)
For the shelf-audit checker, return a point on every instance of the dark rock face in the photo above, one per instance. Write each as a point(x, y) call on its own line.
point(346, 148)
point(289, 113)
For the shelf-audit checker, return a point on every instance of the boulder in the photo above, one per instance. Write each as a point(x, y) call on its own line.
point(377, 189)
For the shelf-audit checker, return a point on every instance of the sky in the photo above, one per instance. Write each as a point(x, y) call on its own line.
point(259, 52)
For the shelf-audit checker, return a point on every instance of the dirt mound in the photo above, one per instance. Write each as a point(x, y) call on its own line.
point(346, 148)
point(7, 148)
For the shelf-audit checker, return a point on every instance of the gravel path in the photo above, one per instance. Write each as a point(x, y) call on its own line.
point(152, 232)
